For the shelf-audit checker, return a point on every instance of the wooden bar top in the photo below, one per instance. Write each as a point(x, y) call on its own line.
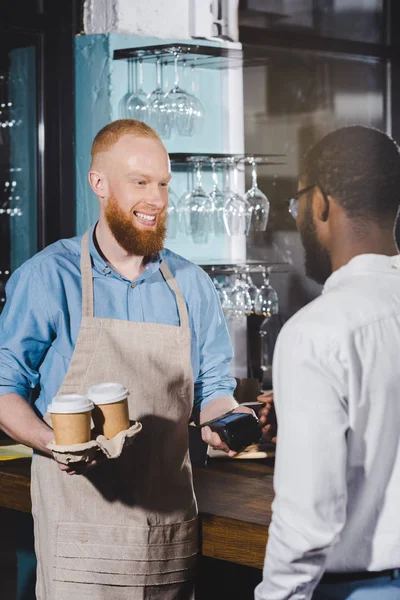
point(234, 498)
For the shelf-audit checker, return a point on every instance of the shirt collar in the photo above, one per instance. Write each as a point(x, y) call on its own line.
point(364, 263)
point(102, 267)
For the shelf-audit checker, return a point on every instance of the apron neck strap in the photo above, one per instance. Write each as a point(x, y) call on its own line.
point(87, 284)
point(171, 281)
point(87, 278)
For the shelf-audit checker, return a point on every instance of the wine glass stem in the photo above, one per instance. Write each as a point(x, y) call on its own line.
point(235, 177)
point(130, 75)
point(135, 76)
point(140, 73)
point(198, 175)
point(176, 71)
point(158, 73)
point(193, 80)
point(227, 178)
point(254, 174)
point(165, 76)
point(263, 344)
point(184, 74)
point(214, 174)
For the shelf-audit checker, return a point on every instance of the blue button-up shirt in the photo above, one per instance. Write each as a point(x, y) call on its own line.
point(40, 322)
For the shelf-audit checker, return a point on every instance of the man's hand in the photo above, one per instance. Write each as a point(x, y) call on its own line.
point(267, 418)
point(212, 438)
point(78, 468)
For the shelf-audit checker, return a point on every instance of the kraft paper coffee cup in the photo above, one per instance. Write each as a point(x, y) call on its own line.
point(71, 418)
point(111, 413)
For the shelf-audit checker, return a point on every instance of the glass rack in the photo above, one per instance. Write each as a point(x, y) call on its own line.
point(213, 57)
point(217, 268)
point(182, 159)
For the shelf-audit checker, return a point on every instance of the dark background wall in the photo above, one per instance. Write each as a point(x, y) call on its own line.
point(311, 66)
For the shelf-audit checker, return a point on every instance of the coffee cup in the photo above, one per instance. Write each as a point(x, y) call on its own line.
point(71, 419)
point(111, 412)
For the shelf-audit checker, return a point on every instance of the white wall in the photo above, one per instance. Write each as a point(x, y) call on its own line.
point(164, 19)
point(160, 18)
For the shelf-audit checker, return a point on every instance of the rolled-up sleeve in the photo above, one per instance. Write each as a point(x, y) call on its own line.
point(215, 350)
point(309, 509)
point(26, 331)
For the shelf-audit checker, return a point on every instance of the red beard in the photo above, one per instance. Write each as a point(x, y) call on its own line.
point(131, 238)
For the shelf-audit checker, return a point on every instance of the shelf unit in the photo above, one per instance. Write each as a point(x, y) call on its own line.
point(212, 57)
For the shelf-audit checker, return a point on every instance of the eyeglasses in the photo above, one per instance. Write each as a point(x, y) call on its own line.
point(294, 201)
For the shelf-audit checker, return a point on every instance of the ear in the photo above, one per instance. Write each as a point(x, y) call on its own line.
point(321, 205)
point(99, 183)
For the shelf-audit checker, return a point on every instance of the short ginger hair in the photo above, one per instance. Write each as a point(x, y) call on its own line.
point(111, 133)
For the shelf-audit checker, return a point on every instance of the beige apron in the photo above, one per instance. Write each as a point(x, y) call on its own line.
point(128, 528)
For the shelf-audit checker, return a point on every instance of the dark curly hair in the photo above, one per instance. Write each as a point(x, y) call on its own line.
point(360, 168)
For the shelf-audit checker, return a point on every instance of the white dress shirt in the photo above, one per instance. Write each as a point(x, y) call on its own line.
point(337, 394)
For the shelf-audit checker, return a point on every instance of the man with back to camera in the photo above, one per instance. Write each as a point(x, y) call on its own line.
point(115, 304)
point(335, 531)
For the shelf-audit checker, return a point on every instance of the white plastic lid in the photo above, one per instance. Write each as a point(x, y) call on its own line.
point(70, 404)
point(107, 393)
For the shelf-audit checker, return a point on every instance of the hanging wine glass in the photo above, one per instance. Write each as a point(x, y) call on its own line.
point(258, 201)
point(172, 214)
point(252, 290)
point(227, 190)
point(222, 294)
point(179, 104)
point(137, 104)
point(122, 106)
point(241, 304)
point(267, 301)
point(159, 116)
point(197, 210)
point(197, 110)
point(218, 198)
point(226, 297)
point(237, 210)
point(265, 354)
point(184, 122)
point(182, 206)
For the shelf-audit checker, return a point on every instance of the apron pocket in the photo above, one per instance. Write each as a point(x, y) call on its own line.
point(126, 556)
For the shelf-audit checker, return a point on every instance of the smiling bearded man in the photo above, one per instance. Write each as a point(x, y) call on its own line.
point(130, 172)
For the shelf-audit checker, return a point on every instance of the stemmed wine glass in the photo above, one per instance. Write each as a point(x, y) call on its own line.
point(267, 304)
point(179, 104)
point(197, 210)
point(219, 200)
point(267, 301)
point(265, 354)
point(237, 209)
point(158, 108)
point(241, 304)
point(136, 105)
point(258, 201)
point(252, 290)
point(197, 110)
point(222, 294)
point(182, 206)
point(122, 106)
point(172, 214)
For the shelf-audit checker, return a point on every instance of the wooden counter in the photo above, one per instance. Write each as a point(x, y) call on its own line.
point(234, 499)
